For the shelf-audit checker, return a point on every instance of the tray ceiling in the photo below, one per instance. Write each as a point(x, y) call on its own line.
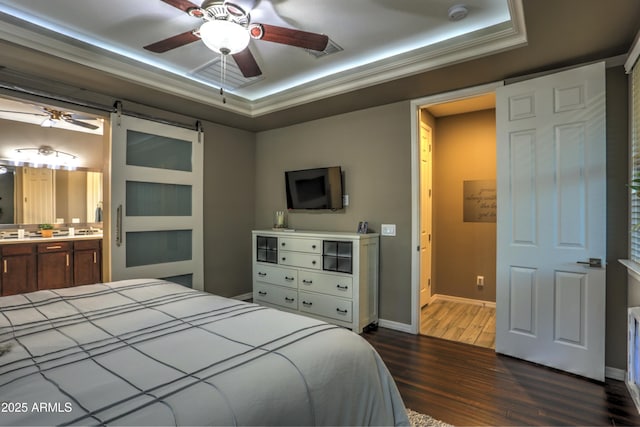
point(380, 40)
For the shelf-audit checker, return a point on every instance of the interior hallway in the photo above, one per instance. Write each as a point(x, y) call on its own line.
point(463, 322)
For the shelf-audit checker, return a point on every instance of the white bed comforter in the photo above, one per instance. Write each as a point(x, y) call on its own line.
point(149, 352)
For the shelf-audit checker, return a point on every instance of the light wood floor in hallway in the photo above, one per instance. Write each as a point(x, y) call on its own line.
point(462, 322)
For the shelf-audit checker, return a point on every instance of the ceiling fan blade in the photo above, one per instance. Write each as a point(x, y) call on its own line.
point(23, 112)
point(173, 42)
point(292, 37)
point(247, 63)
point(79, 123)
point(183, 5)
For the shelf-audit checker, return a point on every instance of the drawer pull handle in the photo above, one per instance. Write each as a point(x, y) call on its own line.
point(54, 247)
point(283, 244)
point(67, 260)
point(313, 262)
point(95, 257)
point(262, 293)
point(307, 282)
point(289, 299)
point(261, 274)
point(307, 303)
point(343, 287)
point(289, 278)
point(4, 266)
point(342, 311)
point(313, 246)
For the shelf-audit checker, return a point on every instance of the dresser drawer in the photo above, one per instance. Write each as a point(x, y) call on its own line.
point(277, 295)
point(276, 275)
point(325, 305)
point(313, 246)
point(300, 259)
point(331, 284)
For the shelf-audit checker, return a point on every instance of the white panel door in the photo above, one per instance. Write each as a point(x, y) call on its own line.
point(425, 213)
point(38, 195)
point(551, 220)
point(156, 202)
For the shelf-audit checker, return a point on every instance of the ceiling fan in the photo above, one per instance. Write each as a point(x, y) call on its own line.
point(53, 116)
point(227, 29)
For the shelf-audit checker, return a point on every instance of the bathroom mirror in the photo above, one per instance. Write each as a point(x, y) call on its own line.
point(41, 195)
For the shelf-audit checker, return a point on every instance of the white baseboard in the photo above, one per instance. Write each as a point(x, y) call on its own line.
point(244, 297)
point(435, 297)
point(615, 373)
point(397, 326)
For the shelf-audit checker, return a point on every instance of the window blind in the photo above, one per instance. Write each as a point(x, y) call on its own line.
point(635, 162)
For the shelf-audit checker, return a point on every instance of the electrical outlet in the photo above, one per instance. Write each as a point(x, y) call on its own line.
point(480, 281)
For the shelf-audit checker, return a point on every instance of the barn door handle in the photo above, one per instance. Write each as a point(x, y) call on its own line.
point(593, 262)
point(119, 226)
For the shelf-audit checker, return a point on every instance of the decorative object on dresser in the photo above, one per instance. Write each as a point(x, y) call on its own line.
point(279, 220)
point(363, 227)
point(332, 276)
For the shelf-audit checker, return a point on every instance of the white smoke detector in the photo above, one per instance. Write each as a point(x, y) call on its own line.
point(458, 12)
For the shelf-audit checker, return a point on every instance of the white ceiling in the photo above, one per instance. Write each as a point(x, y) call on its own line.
point(382, 40)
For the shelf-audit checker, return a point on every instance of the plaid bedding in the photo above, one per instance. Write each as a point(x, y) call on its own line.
point(150, 352)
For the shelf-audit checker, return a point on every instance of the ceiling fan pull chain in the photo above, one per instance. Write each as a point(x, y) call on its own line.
point(223, 71)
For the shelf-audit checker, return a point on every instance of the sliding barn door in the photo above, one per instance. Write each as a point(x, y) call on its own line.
point(156, 202)
point(551, 220)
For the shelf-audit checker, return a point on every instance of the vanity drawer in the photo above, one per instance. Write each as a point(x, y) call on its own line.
point(331, 284)
point(313, 246)
point(326, 305)
point(277, 295)
point(276, 275)
point(55, 247)
point(19, 249)
point(80, 245)
point(300, 259)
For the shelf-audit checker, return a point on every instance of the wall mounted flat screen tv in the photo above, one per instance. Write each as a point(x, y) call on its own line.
point(319, 188)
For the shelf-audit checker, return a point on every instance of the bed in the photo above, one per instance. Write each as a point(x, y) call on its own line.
point(150, 352)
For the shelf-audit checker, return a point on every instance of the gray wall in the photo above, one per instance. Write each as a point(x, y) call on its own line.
point(617, 217)
point(373, 148)
point(229, 195)
point(464, 149)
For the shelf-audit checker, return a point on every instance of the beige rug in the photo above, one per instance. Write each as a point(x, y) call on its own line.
point(421, 420)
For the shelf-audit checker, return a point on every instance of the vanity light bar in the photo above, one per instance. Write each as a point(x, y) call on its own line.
point(45, 156)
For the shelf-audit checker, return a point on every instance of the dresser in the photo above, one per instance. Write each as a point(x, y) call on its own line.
point(332, 276)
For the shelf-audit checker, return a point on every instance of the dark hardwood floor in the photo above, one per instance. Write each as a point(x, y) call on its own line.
point(462, 384)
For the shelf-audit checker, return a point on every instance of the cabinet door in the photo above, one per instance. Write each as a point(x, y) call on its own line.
point(86, 266)
point(54, 267)
point(19, 274)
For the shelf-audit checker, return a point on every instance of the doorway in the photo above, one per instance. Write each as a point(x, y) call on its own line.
point(457, 259)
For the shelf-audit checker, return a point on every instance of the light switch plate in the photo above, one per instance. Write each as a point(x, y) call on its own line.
point(388, 229)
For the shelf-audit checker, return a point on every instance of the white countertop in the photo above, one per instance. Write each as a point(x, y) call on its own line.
point(9, 240)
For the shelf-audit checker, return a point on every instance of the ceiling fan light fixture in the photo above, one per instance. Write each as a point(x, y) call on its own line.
point(224, 37)
point(48, 122)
